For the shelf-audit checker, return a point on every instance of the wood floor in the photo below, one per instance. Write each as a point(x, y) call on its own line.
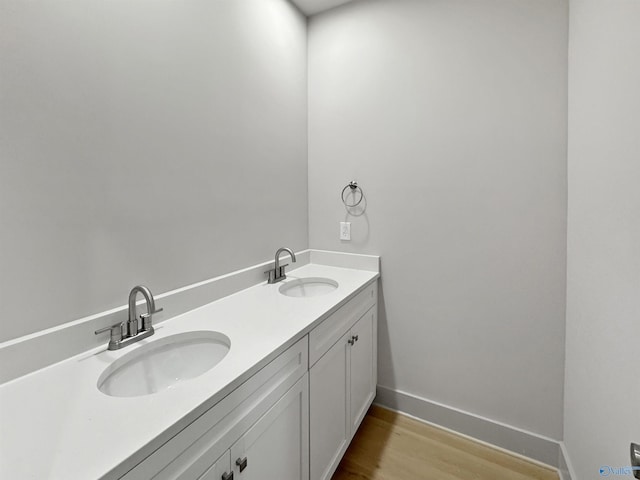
point(390, 446)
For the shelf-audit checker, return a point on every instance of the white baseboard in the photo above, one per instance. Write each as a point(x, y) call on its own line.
point(565, 468)
point(514, 440)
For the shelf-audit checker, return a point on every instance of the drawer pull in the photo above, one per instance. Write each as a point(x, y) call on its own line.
point(242, 463)
point(355, 338)
point(351, 341)
point(227, 476)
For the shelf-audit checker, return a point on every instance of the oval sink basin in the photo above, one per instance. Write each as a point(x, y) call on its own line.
point(164, 363)
point(308, 287)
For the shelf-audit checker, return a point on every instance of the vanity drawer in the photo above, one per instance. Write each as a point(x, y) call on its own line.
point(195, 449)
point(334, 327)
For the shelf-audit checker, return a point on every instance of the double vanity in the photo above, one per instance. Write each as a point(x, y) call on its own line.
point(268, 382)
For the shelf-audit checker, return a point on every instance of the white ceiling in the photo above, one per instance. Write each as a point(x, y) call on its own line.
point(311, 7)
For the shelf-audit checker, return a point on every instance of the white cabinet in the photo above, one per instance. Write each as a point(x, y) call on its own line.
point(329, 409)
point(342, 386)
point(363, 355)
point(277, 445)
point(338, 323)
point(221, 470)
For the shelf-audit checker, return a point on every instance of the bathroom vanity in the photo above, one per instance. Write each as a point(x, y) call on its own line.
point(315, 394)
point(283, 403)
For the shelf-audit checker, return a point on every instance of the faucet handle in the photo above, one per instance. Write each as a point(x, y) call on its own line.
point(281, 274)
point(272, 274)
point(116, 332)
point(149, 314)
point(146, 318)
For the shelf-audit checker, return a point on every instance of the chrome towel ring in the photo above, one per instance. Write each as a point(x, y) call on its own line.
point(353, 186)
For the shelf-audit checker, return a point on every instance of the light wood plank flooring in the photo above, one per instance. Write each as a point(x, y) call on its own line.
point(391, 446)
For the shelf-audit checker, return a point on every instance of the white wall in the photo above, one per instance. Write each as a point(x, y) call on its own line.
point(603, 278)
point(452, 116)
point(158, 143)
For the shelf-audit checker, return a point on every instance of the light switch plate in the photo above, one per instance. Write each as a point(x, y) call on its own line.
point(345, 230)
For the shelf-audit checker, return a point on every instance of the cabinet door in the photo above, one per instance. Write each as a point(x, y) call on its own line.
point(363, 366)
point(329, 410)
point(221, 470)
point(277, 445)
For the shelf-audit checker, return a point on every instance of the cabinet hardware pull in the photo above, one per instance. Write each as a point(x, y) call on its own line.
point(227, 476)
point(355, 338)
point(242, 463)
point(351, 341)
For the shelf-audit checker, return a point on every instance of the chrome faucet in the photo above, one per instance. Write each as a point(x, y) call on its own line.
point(126, 333)
point(278, 274)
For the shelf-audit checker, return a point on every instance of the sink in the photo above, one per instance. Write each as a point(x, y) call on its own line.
point(308, 287)
point(164, 363)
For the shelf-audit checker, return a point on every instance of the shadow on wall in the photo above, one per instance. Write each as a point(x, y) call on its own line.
point(358, 213)
point(384, 342)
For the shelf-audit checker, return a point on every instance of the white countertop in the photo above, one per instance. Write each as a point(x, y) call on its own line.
point(56, 424)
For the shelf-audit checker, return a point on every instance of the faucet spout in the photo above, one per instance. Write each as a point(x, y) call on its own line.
point(148, 297)
point(146, 318)
point(282, 250)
